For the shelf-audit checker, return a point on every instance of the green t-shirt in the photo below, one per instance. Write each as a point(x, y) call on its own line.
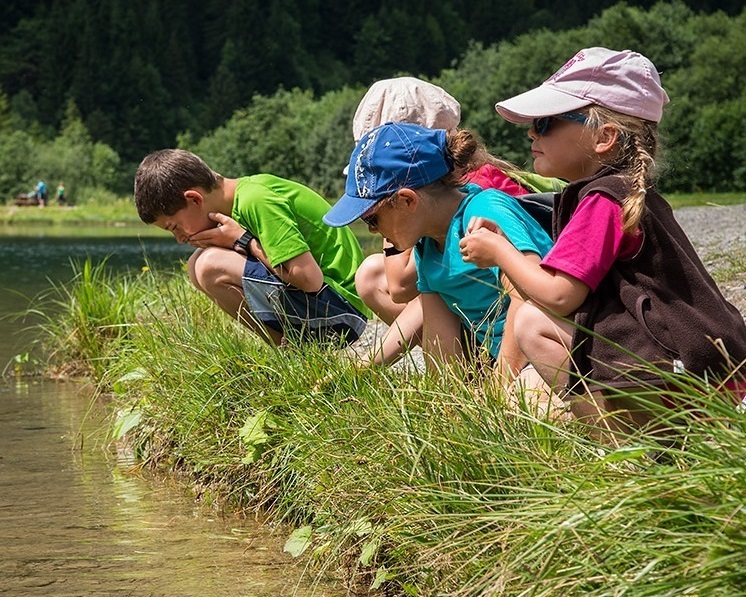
point(286, 218)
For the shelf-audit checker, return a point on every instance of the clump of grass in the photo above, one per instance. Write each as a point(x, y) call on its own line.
point(730, 265)
point(84, 319)
point(424, 485)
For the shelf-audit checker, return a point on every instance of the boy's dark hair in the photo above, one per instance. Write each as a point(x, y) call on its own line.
point(162, 179)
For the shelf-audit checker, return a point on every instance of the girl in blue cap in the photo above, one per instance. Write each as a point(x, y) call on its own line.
point(404, 183)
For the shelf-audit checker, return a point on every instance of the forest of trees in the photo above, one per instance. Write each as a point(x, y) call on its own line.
point(272, 85)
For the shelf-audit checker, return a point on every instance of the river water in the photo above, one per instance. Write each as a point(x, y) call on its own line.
point(76, 518)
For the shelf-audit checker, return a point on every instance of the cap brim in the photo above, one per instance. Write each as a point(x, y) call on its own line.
point(347, 210)
point(540, 101)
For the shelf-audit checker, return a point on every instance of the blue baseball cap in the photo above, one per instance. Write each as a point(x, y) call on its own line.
point(392, 156)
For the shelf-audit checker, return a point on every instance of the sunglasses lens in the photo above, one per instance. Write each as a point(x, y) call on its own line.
point(370, 220)
point(541, 125)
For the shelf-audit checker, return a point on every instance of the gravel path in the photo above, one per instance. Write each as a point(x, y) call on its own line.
point(718, 233)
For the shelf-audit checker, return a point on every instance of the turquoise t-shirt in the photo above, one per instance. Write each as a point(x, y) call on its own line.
point(476, 295)
point(286, 218)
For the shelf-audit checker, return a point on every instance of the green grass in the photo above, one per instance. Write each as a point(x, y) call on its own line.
point(729, 266)
point(424, 485)
point(678, 200)
point(114, 212)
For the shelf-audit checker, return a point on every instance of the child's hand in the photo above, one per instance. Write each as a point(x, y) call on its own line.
point(481, 247)
point(227, 232)
point(478, 222)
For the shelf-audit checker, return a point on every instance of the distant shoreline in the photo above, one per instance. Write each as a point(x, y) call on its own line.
point(117, 213)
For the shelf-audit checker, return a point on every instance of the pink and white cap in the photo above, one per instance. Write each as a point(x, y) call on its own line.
point(625, 82)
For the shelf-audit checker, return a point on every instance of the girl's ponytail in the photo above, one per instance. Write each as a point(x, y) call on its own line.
point(638, 145)
point(642, 167)
point(468, 153)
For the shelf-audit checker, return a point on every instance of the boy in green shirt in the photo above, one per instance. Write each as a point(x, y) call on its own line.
point(263, 254)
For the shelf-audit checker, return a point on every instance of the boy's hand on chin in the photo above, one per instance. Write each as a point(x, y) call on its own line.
point(226, 232)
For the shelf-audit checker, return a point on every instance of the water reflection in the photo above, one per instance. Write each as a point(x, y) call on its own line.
point(73, 520)
point(30, 262)
point(76, 523)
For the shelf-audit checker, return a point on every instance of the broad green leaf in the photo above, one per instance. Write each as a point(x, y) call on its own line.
point(120, 385)
point(369, 551)
point(253, 435)
point(382, 575)
point(126, 421)
point(361, 527)
point(251, 456)
point(299, 541)
point(626, 453)
point(252, 431)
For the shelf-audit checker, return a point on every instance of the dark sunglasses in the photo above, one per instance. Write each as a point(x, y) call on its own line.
point(542, 125)
point(372, 219)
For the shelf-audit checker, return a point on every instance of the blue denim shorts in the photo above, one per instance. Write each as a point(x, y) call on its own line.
point(323, 315)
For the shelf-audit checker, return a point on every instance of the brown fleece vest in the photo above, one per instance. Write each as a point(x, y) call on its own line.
point(660, 307)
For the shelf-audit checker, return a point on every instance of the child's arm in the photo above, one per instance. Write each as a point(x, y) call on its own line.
point(486, 246)
point(301, 271)
point(401, 275)
point(511, 359)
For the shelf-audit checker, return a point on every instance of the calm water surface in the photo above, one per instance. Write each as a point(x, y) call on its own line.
point(32, 257)
point(75, 517)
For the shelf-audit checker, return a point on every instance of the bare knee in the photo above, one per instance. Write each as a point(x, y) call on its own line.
point(192, 268)
point(213, 267)
point(529, 321)
point(369, 278)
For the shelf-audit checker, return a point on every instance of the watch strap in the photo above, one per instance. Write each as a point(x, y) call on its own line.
point(241, 245)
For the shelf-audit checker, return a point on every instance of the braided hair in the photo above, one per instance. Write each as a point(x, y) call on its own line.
point(637, 146)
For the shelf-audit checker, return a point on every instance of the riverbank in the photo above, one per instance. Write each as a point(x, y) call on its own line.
point(77, 521)
point(119, 212)
point(422, 485)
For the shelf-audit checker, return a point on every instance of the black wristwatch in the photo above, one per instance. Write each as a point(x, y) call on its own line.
point(242, 244)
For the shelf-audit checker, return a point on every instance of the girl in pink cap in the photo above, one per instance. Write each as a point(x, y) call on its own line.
point(623, 287)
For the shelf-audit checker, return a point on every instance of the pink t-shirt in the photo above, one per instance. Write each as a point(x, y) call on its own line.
point(592, 241)
point(491, 177)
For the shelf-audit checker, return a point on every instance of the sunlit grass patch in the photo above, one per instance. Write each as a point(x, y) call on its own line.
point(678, 200)
point(111, 211)
point(729, 265)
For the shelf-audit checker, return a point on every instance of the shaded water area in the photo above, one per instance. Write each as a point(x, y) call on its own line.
point(76, 517)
